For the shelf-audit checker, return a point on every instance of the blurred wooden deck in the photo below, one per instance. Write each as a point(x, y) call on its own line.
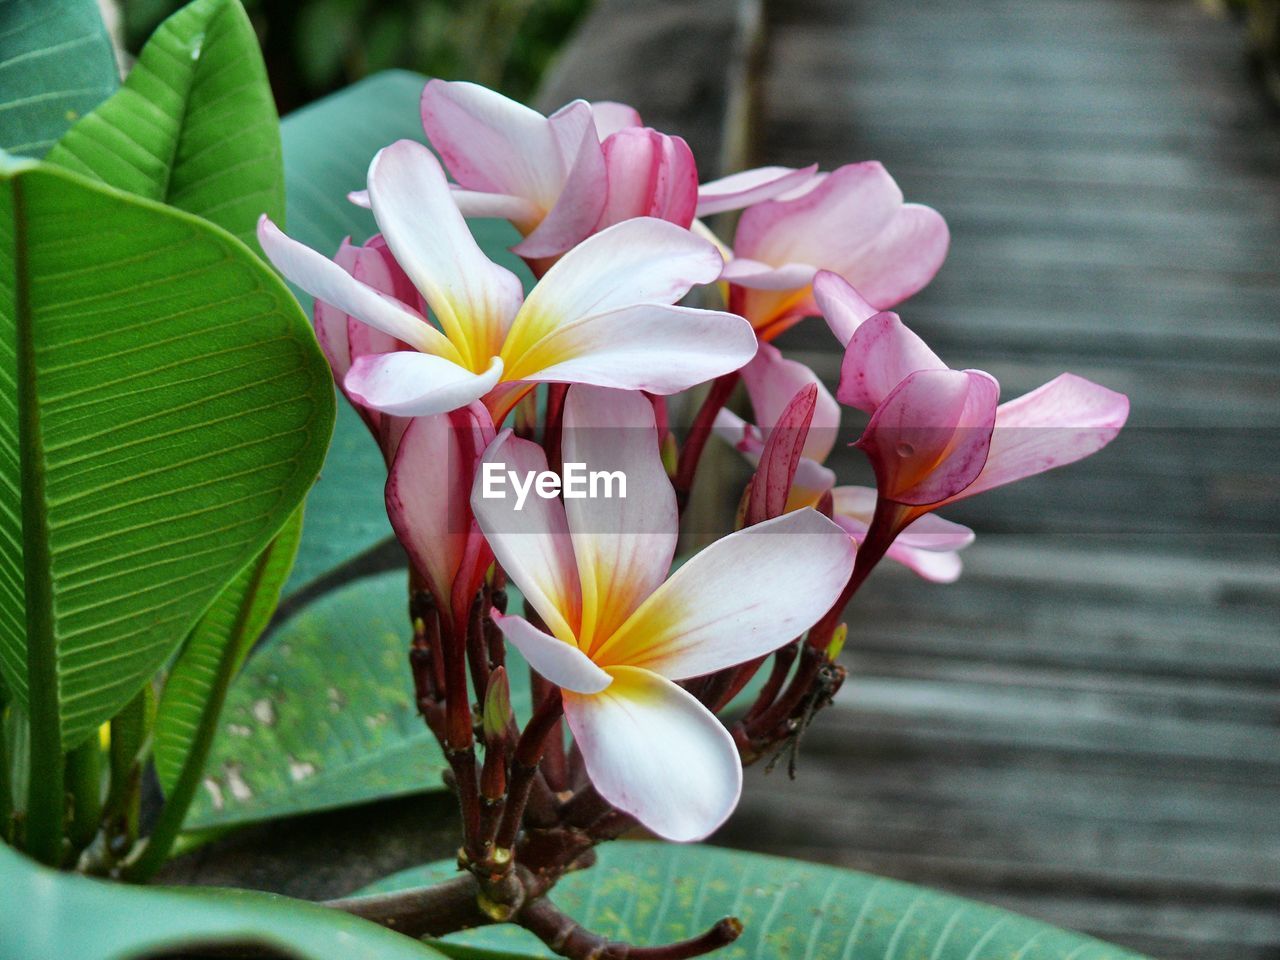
point(1087, 727)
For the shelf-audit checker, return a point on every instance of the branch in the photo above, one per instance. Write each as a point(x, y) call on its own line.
point(422, 911)
point(568, 938)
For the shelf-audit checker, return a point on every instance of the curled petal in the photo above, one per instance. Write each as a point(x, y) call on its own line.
point(409, 384)
point(325, 280)
point(842, 306)
point(649, 175)
point(532, 543)
point(742, 597)
point(583, 186)
point(562, 663)
point(623, 544)
point(331, 322)
point(771, 486)
point(879, 356)
point(902, 258)
point(649, 347)
point(655, 752)
point(772, 380)
point(755, 275)
point(1063, 421)
point(611, 116)
point(928, 547)
point(929, 439)
point(742, 189)
point(473, 298)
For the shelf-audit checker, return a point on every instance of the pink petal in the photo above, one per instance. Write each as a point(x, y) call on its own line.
point(929, 439)
point(1063, 421)
point(936, 567)
point(583, 190)
point(473, 298)
point(624, 545)
point(842, 306)
point(525, 214)
point(900, 260)
point(761, 276)
point(742, 189)
point(427, 493)
point(649, 347)
point(879, 356)
point(408, 384)
point(742, 436)
point(331, 322)
point(610, 117)
point(772, 380)
point(562, 663)
point(656, 753)
point(927, 547)
point(327, 281)
point(742, 597)
point(492, 144)
point(771, 485)
point(844, 213)
point(532, 543)
point(649, 175)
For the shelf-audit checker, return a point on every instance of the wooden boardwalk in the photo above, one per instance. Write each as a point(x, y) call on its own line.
point(1087, 727)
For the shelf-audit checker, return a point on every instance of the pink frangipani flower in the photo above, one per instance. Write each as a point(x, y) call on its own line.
point(852, 221)
point(929, 548)
point(559, 179)
point(939, 435)
point(603, 314)
point(620, 633)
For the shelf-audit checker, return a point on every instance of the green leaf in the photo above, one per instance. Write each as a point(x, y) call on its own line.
point(215, 651)
point(653, 893)
point(56, 63)
point(194, 124)
point(327, 149)
point(164, 408)
point(49, 914)
point(323, 714)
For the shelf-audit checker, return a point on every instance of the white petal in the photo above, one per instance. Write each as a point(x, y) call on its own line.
point(532, 543)
point(624, 545)
point(473, 298)
point(416, 384)
point(562, 663)
point(655, 752)
point(740, 598)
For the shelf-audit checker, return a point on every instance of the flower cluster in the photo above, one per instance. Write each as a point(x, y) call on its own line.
point(443, 355)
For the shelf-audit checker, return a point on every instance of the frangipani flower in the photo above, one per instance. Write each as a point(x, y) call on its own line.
point(603, 314)
point(559, 179)
point(851, 221)
point(939, 435)
point(621, 633)
point(929, 547)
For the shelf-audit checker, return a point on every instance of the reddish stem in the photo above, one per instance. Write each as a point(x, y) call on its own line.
point(691, 451)
point(524, 766)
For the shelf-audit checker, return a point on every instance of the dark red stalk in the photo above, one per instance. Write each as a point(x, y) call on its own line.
point(696, 441)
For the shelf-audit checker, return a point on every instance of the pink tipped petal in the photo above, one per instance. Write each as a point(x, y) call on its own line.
point(325, 280)
point(771, 486)
point(755, 275)
point(562, 663)
point(473, 203)
point(927, 547)
point(843, 213)
point(649, 175)
point(331, 322)
point(492, 144)
point(772, 380)
point(929, 439)
point(427, 491)
point(933, 566)
point(624, 544)
point(742, 597)
point(879, 356)
point(473, 298)
point(902, 258)
point(610, 117)
point(655, 752)
point(584, 185)
point(743, 436)
point(739, 190)
point(842, 306)
point(1063, 421)
point(649, 347)
point(531, 543)
point(409, 384)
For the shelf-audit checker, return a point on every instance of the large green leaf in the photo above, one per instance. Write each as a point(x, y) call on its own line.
point(323, 714)
point(44, 914)
point(196, 686)
point(56, 63)
point(163, 409)
point(194, 124)
point(327, 149)
point(652, 893)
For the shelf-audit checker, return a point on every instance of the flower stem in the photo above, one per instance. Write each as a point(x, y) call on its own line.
point(524, 766)
point(566, 937)
point(696, 441)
